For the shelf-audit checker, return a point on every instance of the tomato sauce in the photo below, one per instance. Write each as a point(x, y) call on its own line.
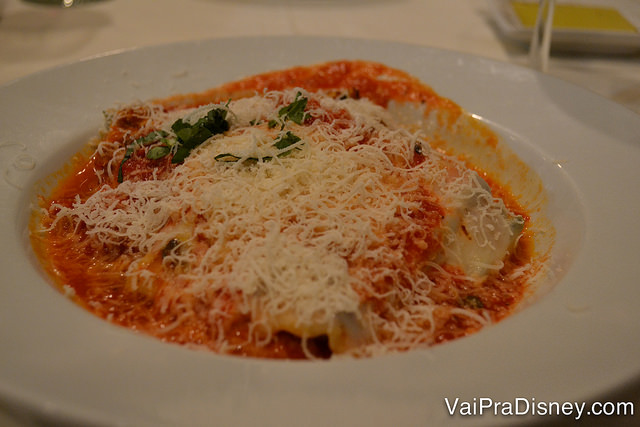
point(95, 272)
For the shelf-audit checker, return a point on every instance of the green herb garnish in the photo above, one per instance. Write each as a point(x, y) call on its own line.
point(285, 141)
point(158, 152)
point(281, 143)
point(227, 157)
point(272, 123)
point(190, 136)
point(295, 110)
point(151, 138)
point(155, 136)
point(187, 137)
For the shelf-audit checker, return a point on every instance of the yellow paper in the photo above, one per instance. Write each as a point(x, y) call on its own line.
point(576, 17)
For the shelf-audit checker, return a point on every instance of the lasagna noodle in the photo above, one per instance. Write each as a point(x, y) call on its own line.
point(313, 223)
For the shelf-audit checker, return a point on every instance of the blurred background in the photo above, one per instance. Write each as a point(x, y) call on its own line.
point(38, 34)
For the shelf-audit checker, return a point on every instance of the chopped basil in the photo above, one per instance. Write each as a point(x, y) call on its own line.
point(127, 155)
point(227, 157)
point(190, 136)
point(155, 136)
point(158, 152)
point(231, 158)
point(285, 141)
point(152, 137)
point(187, 137)
point(295, 110)
point(282, 142)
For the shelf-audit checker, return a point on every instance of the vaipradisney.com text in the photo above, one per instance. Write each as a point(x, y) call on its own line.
point(521, 406)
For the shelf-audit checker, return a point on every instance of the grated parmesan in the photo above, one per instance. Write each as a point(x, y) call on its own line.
point(340, 234)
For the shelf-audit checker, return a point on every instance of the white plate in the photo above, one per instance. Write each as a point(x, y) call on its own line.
point(577, 40)
point(576, 343)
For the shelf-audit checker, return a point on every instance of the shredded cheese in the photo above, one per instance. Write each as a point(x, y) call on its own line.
point(337, 234)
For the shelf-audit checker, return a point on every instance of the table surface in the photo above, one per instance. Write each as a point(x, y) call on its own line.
point(35, 37)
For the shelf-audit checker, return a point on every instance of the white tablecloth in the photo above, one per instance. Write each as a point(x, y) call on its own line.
point(34, 37)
